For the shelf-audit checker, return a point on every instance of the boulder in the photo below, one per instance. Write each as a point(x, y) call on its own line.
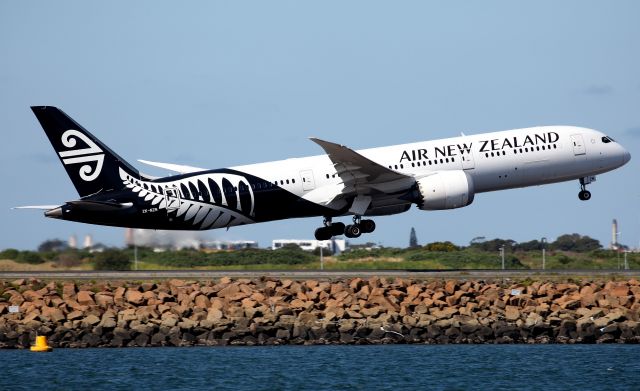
point(450, 286)
point(176, 283)
point(512, 313)
point(231, 290)
point(214, 314)
point(51, 314)
point(533, 319)
point(69, 291)
point(202, 301)
point(169, 321)
point(104, 299)
point(90, 320)
point(108, 323)
point(444, 313)
point(85, 298)
point(134, 296)
point(118, 295)
point(75, 315)
point(128, 315)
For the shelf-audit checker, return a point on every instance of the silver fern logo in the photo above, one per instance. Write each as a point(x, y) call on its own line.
point(82, 155)
point(205, 201)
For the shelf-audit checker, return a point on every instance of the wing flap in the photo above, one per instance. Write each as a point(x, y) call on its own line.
point(362, 173)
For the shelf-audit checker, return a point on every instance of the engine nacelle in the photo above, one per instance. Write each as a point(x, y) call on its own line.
point(445, 190)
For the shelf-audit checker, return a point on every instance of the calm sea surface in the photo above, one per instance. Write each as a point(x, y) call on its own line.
point(383, 367)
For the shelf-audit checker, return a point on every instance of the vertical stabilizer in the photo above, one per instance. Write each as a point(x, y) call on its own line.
point(90, 164)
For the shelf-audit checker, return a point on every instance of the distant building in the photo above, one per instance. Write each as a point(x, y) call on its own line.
point(229, 245)
point(366, 246)
point(128, 237)
point(614, 235)
point(73, 242)
point(88, 242)
point(335, 245)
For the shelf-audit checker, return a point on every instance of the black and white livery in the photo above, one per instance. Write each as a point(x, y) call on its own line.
point(434, 175)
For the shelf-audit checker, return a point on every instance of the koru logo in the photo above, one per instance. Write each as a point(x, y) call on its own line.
point(84, 155)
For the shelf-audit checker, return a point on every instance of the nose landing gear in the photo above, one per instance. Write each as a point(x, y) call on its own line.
point(584, 194)
point(354, 230)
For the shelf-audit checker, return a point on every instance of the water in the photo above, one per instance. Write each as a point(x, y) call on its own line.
point(381, 367)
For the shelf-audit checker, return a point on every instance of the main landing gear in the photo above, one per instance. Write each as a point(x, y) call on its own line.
point(354, 230)
point(584, 194)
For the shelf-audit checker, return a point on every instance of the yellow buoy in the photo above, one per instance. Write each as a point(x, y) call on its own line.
point(41, 345)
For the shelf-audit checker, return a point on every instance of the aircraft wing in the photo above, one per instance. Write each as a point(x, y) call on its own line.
point(182, 169)
point(359, 174)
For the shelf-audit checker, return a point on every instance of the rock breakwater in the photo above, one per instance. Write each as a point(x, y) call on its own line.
point(351, 311)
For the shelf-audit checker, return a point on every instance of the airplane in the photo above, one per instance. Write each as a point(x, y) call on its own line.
point(433, 175)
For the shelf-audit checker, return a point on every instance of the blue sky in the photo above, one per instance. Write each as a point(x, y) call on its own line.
point(217, 84)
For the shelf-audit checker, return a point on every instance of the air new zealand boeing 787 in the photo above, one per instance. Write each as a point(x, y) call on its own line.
point(433, 175)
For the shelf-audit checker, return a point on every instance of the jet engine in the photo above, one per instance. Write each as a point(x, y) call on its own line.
point(445, 190)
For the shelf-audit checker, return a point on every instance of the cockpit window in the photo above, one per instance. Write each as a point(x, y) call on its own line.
point(607, 139)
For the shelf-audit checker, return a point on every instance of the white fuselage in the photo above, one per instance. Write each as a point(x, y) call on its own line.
point(495, 161)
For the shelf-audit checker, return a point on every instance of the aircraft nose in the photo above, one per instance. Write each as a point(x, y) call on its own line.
point(626, 157)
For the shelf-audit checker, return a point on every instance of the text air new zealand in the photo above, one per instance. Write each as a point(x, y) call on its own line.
point(434, 175)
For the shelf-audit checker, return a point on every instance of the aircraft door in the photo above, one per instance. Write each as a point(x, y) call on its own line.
point(578, 144)
point(172, 198)
point(308, 182)
point(467, 161)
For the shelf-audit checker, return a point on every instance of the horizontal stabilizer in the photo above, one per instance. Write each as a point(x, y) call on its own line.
point(38, 207)
point(179, 168)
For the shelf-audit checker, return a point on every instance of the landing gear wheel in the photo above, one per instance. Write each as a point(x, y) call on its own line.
point(352, 231)
point(584, 195)
point(323, 233)
point(337, 229)
point(367, 226)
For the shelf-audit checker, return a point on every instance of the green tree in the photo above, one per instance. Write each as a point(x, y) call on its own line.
point(575, 242)
point(532, 245)
point(52, 245)
point(68, 259)
point(10, 253)
point(413, 238)
point(112, 260)
point(441, 246)
point(29, 257)
point(493, 245)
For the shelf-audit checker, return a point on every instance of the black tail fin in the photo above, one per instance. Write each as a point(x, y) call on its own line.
point(90, 164)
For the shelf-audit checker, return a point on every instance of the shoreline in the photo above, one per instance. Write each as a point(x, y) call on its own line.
point(276, 311)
